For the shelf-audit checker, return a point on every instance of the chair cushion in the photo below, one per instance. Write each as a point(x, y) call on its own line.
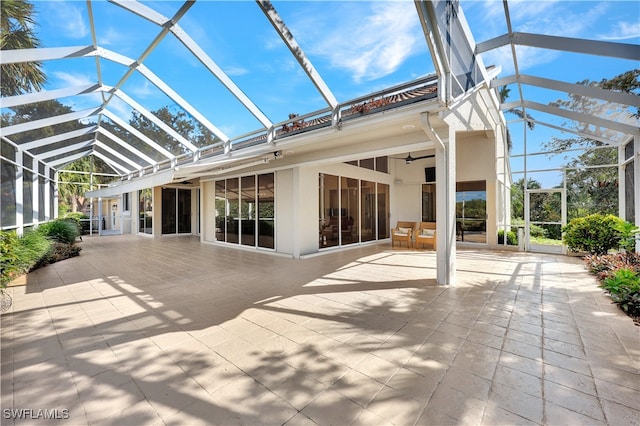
point(427, 232)
point(402, 231)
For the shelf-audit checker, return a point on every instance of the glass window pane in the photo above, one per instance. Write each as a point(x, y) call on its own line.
point(184, 211)
point(368, 210)
point(471, 211)
point(221, 210)
point(329, 211)
point(428, 202)
point(145, 211)
point(168, 210)
point(266, 211)
point(383, 211)
point(248, 210)
point(349, 211)
point(233, 210)
point(368, 163)
point(382, 164)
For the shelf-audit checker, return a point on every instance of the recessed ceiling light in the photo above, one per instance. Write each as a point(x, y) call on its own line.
point(408, 127)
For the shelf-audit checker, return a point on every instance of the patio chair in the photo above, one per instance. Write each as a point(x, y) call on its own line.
point(403, 232)
point(426, 234)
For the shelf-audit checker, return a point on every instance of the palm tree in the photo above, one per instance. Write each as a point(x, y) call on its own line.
point(17, 32)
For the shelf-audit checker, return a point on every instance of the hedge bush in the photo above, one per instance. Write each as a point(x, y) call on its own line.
point(49, 243)
point(60, 230)
point(595, 234)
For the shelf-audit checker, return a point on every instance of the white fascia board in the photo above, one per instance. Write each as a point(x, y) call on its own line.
point(49, 121)
point(46, 95)
point(126, 146)
point(45, 54)
point(155, 120)
point(585, 118)
point(296, 50)
point(113, 164)
point(136, 133)
point(118, 155)
point(144, 182)
point(49, 154)
point(58, 138)
point(70, 159)
point(149, 75)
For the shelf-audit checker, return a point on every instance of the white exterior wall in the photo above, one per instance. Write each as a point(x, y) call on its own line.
point(476, 161)
point(285, 229)
point(208, 211)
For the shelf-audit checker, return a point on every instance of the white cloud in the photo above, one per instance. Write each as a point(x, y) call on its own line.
point(144, 90)
point(73, 80)
point(235, 71)
point(68, 18)
point(370, 46)
point(623, 31)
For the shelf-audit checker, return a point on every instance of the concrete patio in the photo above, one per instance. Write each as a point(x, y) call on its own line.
point(140, 331)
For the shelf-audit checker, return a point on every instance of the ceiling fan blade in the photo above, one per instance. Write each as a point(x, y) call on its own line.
point(424, 156)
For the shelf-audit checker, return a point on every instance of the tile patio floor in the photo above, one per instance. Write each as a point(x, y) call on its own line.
point(138, 331)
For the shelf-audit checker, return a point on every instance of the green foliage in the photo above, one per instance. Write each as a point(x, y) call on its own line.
point(20, 254)
point(51, 242)
point(619, 275)
point(595, 234)
point(624, 289)
point(512, 238)
point(81, 220)
point(17, 31)
point(60, 230)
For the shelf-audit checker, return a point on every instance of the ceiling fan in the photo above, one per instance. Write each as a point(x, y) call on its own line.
point(409, 159)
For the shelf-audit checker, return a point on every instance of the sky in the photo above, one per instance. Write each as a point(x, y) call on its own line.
point(358, 47)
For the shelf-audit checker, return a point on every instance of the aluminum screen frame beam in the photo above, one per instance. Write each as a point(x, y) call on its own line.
point(281, 28)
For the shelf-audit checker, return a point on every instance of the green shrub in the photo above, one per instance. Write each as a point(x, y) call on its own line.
point(512, 238)
point(19, 255)
point(624, 289)
point(36, 248)
point(595, 234)
point(60, 230)
point(81, 219)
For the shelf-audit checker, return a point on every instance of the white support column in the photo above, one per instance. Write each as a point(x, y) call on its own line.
point(56, 187)
point(622, 202)
point(100, 229)
point(47, 194)
point(636, 184)
point(445, 210)
point(35, 192)
point(19, 192)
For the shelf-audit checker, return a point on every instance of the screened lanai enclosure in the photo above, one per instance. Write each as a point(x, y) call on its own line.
point(209, 118)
